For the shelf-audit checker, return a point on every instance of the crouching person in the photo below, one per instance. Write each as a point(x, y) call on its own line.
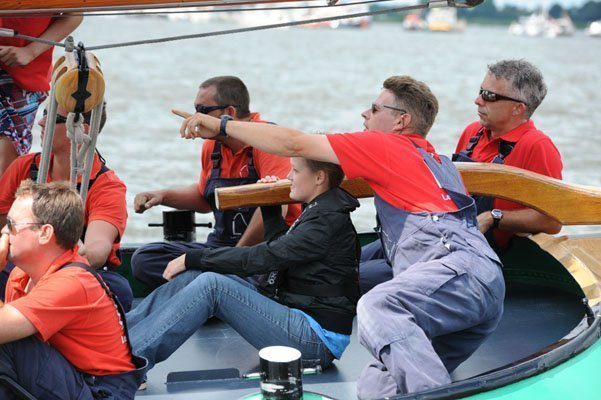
point(313, 264)
point(62, 336)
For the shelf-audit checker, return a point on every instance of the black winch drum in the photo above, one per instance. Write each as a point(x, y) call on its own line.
point(281, 373)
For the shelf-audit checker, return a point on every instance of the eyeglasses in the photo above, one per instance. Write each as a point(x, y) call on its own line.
point(207, 109)
point(489, 96)
point(59, 118)
point(11, 225)
point(376, 107)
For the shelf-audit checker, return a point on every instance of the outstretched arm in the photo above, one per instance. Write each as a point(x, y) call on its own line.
point(274, 139)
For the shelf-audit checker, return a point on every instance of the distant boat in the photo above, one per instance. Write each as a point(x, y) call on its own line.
point(594, 29)
point(540, 24)
point(445, 20)
point(414, 22)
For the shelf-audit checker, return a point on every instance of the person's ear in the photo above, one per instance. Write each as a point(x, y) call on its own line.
point(46, 233)
point(320, 177)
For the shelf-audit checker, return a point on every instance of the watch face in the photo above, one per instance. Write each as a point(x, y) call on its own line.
point(497, 214)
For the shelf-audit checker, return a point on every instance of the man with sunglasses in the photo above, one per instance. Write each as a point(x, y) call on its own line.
point(446, 293)
point(105, 208)
point(60, 334)
point(225, 162)
point(509, 94)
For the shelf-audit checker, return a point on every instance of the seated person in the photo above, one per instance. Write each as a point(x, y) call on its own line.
point(105, 209)
point(225, 162)
point(505, 134)
point(60, 337)
point(313, 264)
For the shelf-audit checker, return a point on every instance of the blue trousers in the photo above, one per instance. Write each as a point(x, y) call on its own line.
point(373, 268)
point(173, 312)
point(117, 283)
point(149, 262)
point(47, 375)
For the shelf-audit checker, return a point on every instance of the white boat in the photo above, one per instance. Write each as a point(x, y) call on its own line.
point(594, 29)
point(444, 20)
point(540, 24)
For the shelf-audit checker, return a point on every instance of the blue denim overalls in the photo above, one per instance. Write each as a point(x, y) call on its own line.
point(445, 297)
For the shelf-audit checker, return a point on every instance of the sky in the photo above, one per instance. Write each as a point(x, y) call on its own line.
point(537, 3)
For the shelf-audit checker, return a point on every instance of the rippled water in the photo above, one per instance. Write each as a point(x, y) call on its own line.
point(321, 80)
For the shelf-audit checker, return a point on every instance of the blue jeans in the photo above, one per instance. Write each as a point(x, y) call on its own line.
point(172, 313)
point(149, 261)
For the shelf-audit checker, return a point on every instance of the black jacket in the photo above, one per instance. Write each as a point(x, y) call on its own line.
point(317, 259)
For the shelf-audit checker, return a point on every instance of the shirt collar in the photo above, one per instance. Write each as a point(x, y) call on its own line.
point(516, 133)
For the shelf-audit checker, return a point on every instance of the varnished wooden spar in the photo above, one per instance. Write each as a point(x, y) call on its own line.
point(568, 203)
point(98, 5)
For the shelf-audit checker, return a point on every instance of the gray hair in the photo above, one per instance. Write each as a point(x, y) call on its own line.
point(526, 80)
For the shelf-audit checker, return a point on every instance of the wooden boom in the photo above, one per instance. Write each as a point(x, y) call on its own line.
point(569, 204)
point(98, 5)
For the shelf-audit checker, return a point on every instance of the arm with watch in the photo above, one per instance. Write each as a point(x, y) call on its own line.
point(526, 220)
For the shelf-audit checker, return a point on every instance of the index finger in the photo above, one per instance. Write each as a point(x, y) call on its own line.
point(182, 114)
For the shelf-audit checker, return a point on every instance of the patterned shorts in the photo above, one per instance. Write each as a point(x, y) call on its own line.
point(17, 112)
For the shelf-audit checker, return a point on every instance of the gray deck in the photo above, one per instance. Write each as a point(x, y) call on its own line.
point(532, 320)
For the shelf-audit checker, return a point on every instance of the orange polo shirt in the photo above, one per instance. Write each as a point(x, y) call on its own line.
point(105, 200)
point(34, 76)
point(73, 314)
point(236, 166)
point(534, 151)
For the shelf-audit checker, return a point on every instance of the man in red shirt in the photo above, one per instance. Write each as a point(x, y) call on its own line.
point(225, 162)
point(58, 315)
point(446, 294)
point(510, 93)
point(25, 69)
point(105, 208)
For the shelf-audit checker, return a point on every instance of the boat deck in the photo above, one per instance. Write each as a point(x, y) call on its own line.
point(534, 318)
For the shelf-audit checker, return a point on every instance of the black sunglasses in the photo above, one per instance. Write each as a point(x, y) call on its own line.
point(489, 96)
point(375, 108)
point(59, 118)
point(207, 109)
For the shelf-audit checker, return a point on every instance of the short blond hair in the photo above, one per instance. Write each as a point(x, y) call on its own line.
point(417, 99)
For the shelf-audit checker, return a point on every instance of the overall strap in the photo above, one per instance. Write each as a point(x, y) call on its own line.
point(111, 296)
point(251, 163)
point(33, 167)
point(473, 142)
point(216, 160)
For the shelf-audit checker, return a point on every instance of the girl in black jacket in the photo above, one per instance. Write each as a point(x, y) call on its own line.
point(306, 298)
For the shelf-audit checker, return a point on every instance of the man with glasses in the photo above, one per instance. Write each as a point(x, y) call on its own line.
point(225, 162)
point(446, 294)
point(509, 94)
point(105, 208)
point(60, 335)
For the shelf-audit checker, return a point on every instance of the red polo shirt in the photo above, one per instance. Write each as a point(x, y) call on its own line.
point(393, 168)
point(73, 314)
point(534, 151)
point(34, 76)
point(105, 200)
point(236, 166)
